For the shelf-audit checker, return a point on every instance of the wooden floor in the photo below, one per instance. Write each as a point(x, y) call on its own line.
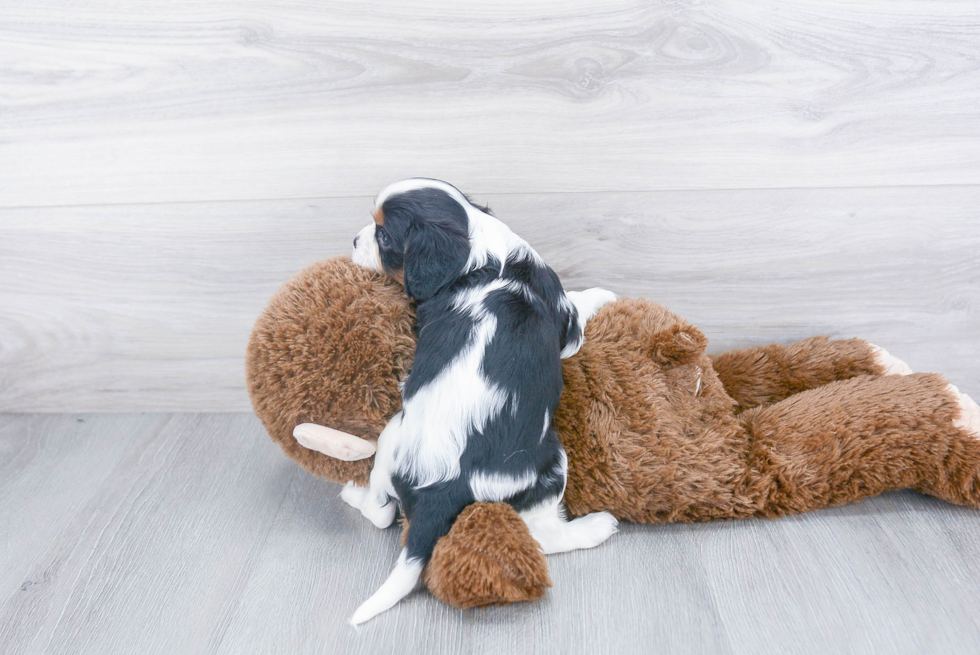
point(192, 533)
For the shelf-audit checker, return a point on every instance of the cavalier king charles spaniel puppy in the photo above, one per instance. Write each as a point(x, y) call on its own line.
point(493, 324)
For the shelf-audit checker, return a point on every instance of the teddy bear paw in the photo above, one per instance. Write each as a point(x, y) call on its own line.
point(889, 363)
point(969, 419)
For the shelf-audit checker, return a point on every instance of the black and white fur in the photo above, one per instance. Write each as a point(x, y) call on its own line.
point(493, 324)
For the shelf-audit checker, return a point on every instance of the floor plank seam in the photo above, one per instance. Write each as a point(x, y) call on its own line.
point(481, 193)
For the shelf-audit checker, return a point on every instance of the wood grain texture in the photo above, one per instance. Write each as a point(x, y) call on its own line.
point(178, 101)
point(194, 534)
point(149, 307)
point(885, 601)
point(153, 558)
point(50, 467)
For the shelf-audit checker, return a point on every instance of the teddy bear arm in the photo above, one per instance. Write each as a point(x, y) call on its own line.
point(764, 375)
point(857, 438)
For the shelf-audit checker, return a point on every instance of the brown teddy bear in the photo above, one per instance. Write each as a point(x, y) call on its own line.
point(655, 429)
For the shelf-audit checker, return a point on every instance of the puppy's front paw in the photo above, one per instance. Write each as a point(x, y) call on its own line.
point(588, 302)
point(381, 515)
point(361, 499)
point(600, 297)
point(354, 495)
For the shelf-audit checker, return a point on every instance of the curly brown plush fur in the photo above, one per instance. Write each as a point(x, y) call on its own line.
point(655, 429)
point(330, 348)
point(477, 567)
point(654, 439)
point(768, 374)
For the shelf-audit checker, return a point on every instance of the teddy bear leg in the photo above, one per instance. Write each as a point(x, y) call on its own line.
point(856, 438)
point(556, 535)
point(764, 375)
point(969, 418)
point(889, 364)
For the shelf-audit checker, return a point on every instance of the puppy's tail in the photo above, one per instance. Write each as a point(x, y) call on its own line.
point(430, 522)
point(399, 584)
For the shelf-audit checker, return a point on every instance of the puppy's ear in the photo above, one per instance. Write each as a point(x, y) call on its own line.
point(435, 254)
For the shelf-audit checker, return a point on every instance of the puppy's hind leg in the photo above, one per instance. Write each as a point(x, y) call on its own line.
point(545, 516)
point(549, 528)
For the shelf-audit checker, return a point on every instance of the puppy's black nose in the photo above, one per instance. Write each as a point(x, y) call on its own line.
point(355, 240)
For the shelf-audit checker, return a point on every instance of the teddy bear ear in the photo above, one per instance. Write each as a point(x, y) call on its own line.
point(334, 443)
point(677, 345)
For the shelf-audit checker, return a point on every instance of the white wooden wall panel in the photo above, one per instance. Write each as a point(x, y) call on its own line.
point(769, 169)
point(149, 307)
point(159, 101)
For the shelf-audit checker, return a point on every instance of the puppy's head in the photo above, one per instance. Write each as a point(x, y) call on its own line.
point(419, 236)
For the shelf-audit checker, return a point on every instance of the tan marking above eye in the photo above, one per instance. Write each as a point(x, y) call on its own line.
point(379, 216)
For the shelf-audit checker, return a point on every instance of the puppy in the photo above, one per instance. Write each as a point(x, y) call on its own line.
point(493, 324)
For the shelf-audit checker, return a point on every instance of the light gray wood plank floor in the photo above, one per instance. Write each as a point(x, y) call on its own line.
point(192, 533)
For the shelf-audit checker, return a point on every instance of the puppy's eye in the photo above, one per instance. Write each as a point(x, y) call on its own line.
point(382, 238)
